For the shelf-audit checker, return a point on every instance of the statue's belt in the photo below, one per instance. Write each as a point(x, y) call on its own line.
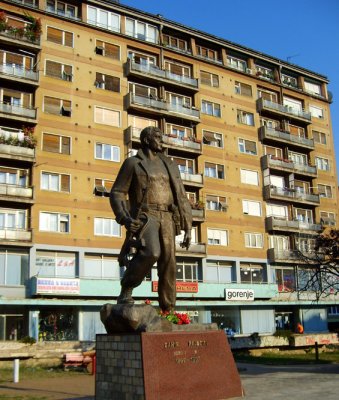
point(156, 207)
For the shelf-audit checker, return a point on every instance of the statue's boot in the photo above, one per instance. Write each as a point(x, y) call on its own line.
point(125, 296)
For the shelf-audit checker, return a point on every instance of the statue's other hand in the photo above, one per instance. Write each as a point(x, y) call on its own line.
point(187, 240)
point(133, 225)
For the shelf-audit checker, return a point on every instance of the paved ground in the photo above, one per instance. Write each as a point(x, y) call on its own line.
point(260, 383)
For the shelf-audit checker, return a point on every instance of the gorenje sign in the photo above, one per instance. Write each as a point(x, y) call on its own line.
point(239, 294)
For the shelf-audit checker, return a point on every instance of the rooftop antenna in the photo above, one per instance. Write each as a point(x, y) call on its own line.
point(289, 57)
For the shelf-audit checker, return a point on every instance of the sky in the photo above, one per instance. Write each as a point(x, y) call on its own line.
point(303, 32)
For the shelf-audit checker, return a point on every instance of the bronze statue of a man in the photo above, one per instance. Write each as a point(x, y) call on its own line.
point(149, 199)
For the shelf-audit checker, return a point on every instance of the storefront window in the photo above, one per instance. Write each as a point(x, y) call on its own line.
point(285, 278)
point(11, 326)
point(58, 325)
point(13, 268)
point(101, 266)
point(251, 273)
point(187, 272)
point(56, 264)
point(227, 319)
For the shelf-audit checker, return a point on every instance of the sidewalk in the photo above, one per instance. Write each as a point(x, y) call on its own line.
point(260, 382)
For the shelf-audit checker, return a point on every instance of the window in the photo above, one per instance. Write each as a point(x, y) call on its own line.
point(285, 278)
point(103, 19)
point(325, 191)
point(187, 272)
point(142, 58)
point(102, 187)
point(269, 123)
point(279, 243)
point(107, 152)
point(139, 123)
point(56, 143)
point(313, 88)
point(54, 222)
point(289, 80)
point(142, 90)
point(207, 53)
point(249, 177)
point(12, 176)
point(219, 272)
point(101, 266)
point(11, 219)
point(322, 163)
point(254, 240)
point(319, 137)
point(316, 112)
point(106, 227)
point(107, 49)
point(61, 8)
point(243, 89)
point(14, 266)
point(216, 203)
point(244, 117)
point(263, 72)
point(141, 30)
point(250, 207)
point(212, 138)
point(298, 158)
point(236, 63)
point(55, 106)
point(55, 182)
point(174, 42)
point(58, 70)
point(268, 95)
point(273, 151)
point(209, 79)
point(178, 100)
point(59, 37)
point(293, 105)
point(251, 273)
point(210, 108)
point(106, 116)
point(214, 170)
point(56, 264)
point(107, 82)
point(304, 215)
point(276, 211)
point(305, 244)
point(180, 132)
point(16, 98)
point(186, 166)
point(178, 69)
point(247, 146)
point(327, 218)
point(217, 237)
point(19, 60)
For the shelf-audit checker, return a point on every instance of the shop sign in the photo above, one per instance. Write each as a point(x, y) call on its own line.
point(239, 294)
point(57, 286)
point(182, 287)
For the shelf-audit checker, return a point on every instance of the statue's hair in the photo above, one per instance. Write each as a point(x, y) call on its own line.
point(147, 133)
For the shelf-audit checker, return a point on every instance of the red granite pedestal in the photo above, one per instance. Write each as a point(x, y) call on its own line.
point(185, 365)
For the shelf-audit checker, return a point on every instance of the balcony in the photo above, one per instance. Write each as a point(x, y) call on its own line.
point(12, 37)
point(285, 137)
point(16, 193)
point(290, 256)
point(198, 215)
point(155, 73)
point(284, 111)
point(291, 195)
point(279, 224)
point(192, 179)
point(15, 235)
point(13, 111)
point(62, 13)
point(281, 164)
point(13, 71)
point(133, 134)
point(195, 249)
point(17, 153)
point(150, 105)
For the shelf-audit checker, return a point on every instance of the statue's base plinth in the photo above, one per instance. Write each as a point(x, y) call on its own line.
point(190, 365)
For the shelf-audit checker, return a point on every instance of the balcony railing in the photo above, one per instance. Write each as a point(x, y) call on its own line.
point(292, 256)
point(16, 191)
point(285, 137)
point(18, 110)
point(154, 71)
point(61, 13)
point(22, 38)
point(192, 179)
point(273, 192)
point(17, 152)
point(198, 215)
point(286, 164)
point(15, 234)
point(274, 223)
point(161, 106)
point(196, 248)
point(20, 72)
point(264, 104)
point(182, 143)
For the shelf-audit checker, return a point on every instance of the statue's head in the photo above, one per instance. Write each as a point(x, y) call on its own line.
point(151, 137)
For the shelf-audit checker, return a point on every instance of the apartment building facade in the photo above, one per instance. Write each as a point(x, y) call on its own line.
point(251, 135)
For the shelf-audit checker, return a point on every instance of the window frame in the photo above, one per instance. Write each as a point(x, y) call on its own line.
point(60, 176)
point(216, 108)
point(106, 109)
point(243, 144)
point(247, 181)
point(212, 239)
point(113, 225)
point(218, 168)
point(59, 221)
point(242, 118)
point(61, 137)
point(213, 80)
point(251, 238)
point(246, 207)
point(63, 36)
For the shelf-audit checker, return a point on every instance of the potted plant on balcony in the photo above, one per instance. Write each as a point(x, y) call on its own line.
point(33, 29)
point(3, 22)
